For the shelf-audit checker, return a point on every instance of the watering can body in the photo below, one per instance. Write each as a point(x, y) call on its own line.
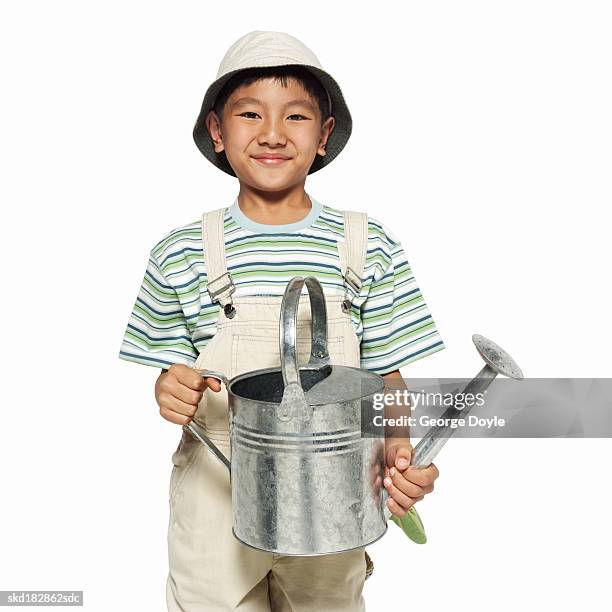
point(305, 479)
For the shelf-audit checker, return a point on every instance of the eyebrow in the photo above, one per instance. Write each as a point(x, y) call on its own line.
point(249, 100)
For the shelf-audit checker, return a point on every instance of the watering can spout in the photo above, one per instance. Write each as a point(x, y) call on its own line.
point(198, 432)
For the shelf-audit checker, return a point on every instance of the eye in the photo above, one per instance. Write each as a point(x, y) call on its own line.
point(248, 113)
point(302, 116)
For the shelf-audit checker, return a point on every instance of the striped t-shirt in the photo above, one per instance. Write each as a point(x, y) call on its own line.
point(173, 317)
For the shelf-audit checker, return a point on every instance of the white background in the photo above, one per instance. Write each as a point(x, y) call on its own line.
point(481, 136)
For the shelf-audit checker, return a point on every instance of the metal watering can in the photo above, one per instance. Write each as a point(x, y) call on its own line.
point(303, 479)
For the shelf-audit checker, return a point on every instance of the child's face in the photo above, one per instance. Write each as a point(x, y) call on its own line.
point(265, 117)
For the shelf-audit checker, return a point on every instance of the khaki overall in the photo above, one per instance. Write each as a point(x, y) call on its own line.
point(209, 569)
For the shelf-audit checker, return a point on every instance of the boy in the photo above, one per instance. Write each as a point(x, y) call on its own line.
point(210, 299)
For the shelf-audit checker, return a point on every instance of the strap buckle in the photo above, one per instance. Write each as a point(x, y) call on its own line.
point(228, 285)
point(351, 278)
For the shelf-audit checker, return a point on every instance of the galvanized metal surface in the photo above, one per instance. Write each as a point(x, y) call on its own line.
point(304, 481)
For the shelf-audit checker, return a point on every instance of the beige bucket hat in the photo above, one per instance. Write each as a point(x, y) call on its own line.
point(263, 48)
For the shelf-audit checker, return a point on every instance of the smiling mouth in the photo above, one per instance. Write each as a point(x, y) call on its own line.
point(271, 161)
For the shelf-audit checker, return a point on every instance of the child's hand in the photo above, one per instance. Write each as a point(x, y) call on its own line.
point(179, 391)
point(405, 485)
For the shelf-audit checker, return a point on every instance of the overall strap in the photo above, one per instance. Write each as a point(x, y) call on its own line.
point(219, 285)
point(353, 252)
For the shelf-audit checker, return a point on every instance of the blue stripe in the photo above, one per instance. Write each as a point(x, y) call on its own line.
point(407, 358)
point(281, 264)
point(397, 330)
point(140, 332)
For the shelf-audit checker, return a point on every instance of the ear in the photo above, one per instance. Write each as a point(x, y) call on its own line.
point(213, 125)
point(326, 129)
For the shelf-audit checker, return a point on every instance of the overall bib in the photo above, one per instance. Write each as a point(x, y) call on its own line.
point(209, 569)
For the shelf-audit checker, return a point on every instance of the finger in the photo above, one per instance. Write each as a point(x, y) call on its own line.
point(172, 387)
point(174, 417)
point(401, 498)
point(213, 383)
point(390, 455)
point(170, 403)
point(402, 458)
point(188, 376)
point(421, 476)
point(430, 472)
point(396, 508)
point(409, 488)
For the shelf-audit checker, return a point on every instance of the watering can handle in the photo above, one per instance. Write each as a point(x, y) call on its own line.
point(197, 431)
point(288, 326)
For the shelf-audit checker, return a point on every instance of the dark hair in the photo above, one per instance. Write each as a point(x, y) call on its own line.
point(280, 74)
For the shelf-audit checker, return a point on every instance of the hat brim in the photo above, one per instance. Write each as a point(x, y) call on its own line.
point(337, 140)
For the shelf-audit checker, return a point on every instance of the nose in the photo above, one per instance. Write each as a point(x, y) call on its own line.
point(272, 133)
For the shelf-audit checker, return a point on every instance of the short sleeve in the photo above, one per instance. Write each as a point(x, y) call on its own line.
point(157, 333)
point(397, 325)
